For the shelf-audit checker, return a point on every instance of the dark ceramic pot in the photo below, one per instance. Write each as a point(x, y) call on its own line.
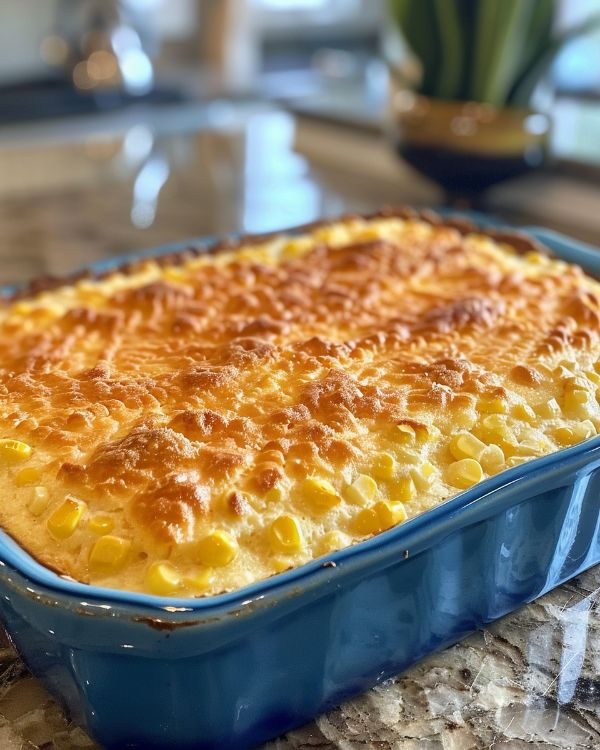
point(466, 147)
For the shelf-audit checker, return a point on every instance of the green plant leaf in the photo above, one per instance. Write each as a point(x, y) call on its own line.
point(485, 24)
point(451, 42)
point(416, 20)
point(467, 12)
point(537, 38)
point(492, 51)
point(501, 38)
point(540, 28)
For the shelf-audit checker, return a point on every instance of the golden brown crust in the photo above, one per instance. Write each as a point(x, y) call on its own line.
point(232, 412)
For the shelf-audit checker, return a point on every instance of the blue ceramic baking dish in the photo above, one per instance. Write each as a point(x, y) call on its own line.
point(234, 670)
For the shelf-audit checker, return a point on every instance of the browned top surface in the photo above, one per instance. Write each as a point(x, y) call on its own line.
point(176, 398)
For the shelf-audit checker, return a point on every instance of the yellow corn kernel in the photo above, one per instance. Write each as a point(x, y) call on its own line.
point(423, 475)
point(525, 413)
point(331, 541)
point(13, 451)
point(575, 382)
point(174, 273)
point(367, 522)
point(361, 491)
point(492, 459)
point(63, 521)
point(492, 405)
point(217, 549)
point(28, 475)
point(101, 524)
point(495, 429)
point(466, 445)
point(293, 248)
point(274, 495)
point(535, 258)
point(578, 391)
point(285, 535)
point(592, 376)
point(575, 433)
point(403, 489)
point(319, 494)
point(407, 456)
point(199, 579)
point(495, 422)
point(92, 297)
point(465, 473)
point(384, 466)
point(253, 254)
point(530, 433)
point(39, 501)
point(390, 513)
point(381, 516)
point(425, 433)
point(575, 400)
point(548, 409)
point(281, 563)
point(530, 447)
point(404, 434)
point(368, 232)
point(21, 308)
point(586, 429)
point(565, 436)
point(333, 235)
point(109, 554)
point(162, 579)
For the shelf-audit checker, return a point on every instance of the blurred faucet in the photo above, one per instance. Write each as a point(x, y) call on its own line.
point(229, 42)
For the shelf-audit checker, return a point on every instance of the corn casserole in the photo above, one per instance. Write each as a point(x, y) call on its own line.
point(190, 424)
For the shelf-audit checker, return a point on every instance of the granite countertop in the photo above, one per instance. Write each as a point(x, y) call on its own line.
point(529, 680)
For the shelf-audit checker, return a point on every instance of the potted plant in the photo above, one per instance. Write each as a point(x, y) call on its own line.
point(461, 101)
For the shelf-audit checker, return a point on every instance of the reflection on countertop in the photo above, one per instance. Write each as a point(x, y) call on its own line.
point(69, 196)
point(65, 203)
point(75, 192)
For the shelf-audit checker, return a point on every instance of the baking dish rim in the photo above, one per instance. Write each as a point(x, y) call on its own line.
point(42, 581)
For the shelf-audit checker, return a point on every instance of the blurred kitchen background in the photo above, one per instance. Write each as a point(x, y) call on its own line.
point(131, 123)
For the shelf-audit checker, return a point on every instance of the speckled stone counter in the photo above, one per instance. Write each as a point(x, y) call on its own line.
point(530, 680)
